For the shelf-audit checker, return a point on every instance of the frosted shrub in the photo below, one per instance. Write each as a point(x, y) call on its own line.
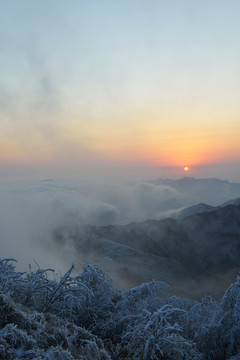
point(100, 301)
point(219, 336)
point(11, 282)
point(84, 317)
point(14, 342)
point(155, 336)
point(200, 314)
point(146, 295)
point(130, 306)
point(57, 353)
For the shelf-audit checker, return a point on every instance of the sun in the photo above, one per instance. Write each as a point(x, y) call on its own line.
point(186, 168)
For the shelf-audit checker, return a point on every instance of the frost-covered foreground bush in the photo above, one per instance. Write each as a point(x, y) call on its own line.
point(85, 317)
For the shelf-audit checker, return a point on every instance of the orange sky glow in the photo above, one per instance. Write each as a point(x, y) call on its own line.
point(161, 91)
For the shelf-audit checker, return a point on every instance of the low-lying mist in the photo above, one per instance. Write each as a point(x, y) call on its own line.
point(32, 213)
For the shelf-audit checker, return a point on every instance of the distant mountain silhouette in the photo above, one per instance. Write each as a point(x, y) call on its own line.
point(211, 191)
point(191, 210)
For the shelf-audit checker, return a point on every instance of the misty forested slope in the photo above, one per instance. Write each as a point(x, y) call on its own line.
point(196, 255)
point(85, 317)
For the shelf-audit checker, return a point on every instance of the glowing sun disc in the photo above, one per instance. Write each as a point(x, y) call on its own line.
point(186, 168)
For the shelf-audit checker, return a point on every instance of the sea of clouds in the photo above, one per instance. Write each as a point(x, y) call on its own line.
point(30, 212)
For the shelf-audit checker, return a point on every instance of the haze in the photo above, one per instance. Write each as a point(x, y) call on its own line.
point(119, 90)
point(99, 102)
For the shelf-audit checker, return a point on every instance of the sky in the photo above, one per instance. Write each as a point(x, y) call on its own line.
point(119, 89)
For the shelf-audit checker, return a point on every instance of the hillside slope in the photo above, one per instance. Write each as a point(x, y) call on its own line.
point(196, 255)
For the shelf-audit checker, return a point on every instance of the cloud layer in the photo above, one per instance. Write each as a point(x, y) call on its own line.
point(31, 212)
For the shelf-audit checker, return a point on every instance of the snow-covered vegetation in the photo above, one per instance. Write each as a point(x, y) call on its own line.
point(86, 317)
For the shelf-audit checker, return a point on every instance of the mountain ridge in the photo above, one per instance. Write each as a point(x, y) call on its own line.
point(182, 252)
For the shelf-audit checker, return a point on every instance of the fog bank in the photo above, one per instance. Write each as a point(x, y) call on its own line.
point(31, 212)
